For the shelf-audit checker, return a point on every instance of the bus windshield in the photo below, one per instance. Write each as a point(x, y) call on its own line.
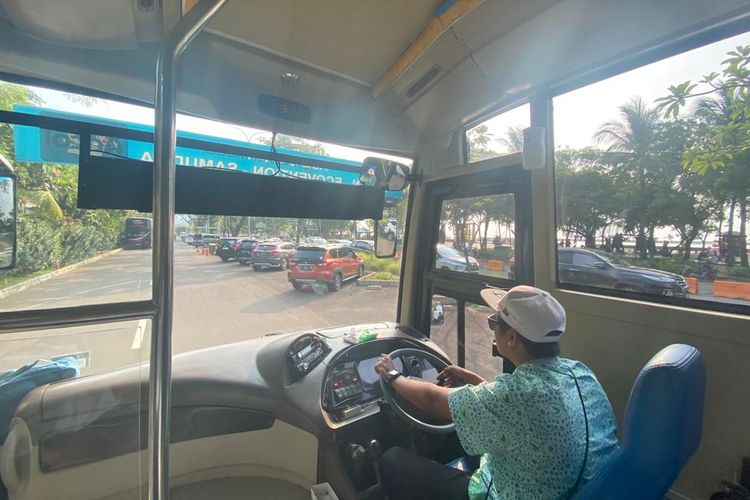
point(216, 257)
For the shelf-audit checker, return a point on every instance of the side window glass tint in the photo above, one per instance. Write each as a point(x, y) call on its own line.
point(565, 257)
point(584, 259)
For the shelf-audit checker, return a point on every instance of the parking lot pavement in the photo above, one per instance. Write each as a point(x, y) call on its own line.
point(215, 303)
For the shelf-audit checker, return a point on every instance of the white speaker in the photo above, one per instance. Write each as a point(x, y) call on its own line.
point(534, 152)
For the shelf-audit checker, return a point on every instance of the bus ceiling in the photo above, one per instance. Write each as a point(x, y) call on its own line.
point(398, 77)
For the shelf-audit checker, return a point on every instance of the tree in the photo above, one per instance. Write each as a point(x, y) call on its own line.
point(643, 163)
point(478, 142)
point(586, 196)
point(48, 212)
point(724, 109)
point(513, 140)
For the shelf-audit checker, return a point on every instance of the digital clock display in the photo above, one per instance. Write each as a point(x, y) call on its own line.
point(284, 109)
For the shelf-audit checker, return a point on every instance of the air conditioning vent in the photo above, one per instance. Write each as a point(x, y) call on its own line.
point(423, 81)
point(146, 5)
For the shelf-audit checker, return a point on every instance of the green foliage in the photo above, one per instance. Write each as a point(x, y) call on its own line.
point(374, 264)
point(39, 246)
point(503, 253)
point(737, 272)
point(52, 230)
point(384, 276)
point(669, 265)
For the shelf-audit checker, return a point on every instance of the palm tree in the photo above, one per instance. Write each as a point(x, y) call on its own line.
point(513, 140)
point(636, 134)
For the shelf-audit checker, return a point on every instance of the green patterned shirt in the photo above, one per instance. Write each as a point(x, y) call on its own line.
point(529, 428)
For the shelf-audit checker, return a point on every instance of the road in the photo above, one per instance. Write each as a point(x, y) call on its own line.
point(215, 303)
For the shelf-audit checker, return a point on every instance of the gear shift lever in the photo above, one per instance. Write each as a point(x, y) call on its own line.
point(375, 451)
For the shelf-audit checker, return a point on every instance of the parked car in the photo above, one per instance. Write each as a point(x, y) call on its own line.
point(315, 240)
point(275, 254)
point(227, 248)
point(189, 239)
point(588, 267)
point(363, 245)
point(245, 251)
point(201, 239)
point(210, 238)
point(331, 264)
point(345, 243)
point(452, 260)
point(391, 230)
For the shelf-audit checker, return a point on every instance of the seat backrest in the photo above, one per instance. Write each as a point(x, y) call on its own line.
point(661, 429)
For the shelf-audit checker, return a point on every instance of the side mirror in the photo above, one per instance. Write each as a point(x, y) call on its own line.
point(438, 314)
point(384, 174)
point(385, 240)
point(601, 265)
point(7, 215)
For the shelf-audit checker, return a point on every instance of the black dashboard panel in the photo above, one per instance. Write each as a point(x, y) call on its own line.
point(305, 353)
point(350, 381)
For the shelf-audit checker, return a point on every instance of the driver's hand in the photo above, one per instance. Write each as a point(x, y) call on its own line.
point(384, 365)
point(454, 376)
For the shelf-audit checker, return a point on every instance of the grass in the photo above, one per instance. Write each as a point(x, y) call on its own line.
point(8, 280)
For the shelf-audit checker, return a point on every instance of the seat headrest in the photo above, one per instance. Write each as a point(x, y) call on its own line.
point(664, 417)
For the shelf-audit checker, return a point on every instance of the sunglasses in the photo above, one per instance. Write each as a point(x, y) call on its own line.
point(492, 321)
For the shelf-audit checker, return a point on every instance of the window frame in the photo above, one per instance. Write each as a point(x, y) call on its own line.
point(510, 178)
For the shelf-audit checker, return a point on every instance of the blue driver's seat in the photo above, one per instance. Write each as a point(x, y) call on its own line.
point(661, 429)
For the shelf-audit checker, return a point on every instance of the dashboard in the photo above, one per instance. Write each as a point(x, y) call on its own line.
point(310, 382)
point(351, 385)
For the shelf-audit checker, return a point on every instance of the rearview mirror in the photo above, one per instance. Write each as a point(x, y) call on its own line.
point(385, 240)
point(7, 215)
point(384, 174)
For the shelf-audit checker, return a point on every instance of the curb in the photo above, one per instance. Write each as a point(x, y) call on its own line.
point(44, 277)
point(363, 281)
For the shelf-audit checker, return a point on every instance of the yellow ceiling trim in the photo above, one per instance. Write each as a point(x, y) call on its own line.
point(437, 26)
point(187, 5)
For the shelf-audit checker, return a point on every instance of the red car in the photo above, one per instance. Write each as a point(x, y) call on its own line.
point(331, 264)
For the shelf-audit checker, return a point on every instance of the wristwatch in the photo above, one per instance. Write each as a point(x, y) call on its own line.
point(393, 375)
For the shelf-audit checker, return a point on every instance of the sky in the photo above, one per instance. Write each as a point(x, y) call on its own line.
point(578, 114)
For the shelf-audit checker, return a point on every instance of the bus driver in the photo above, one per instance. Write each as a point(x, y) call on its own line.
point(541, 431)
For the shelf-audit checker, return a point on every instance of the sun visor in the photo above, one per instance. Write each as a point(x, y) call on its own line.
point(128, 185)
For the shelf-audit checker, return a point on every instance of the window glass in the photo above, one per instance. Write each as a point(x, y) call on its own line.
point(479, 339)
point(585, 260)
point(651, 174)
point(213, 291)
point(443, 324)
point(75, 437)
point(477, 236)
point(500, 135)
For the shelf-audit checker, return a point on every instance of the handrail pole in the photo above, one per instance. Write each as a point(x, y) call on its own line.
point(160, 373)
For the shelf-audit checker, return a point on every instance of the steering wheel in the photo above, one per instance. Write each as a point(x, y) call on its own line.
point(390, 394)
